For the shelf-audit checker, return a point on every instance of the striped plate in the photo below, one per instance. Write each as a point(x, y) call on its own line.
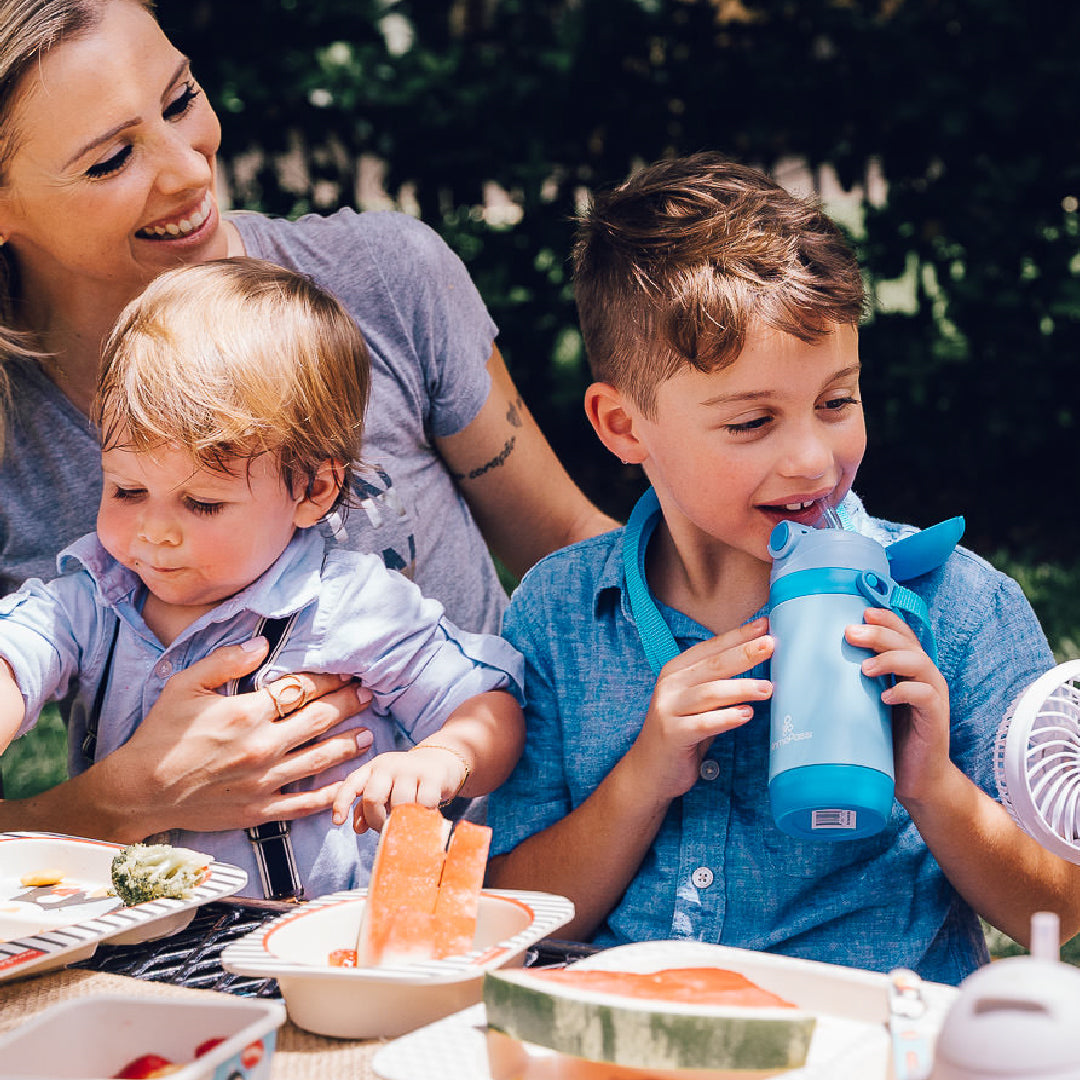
point(63, 921)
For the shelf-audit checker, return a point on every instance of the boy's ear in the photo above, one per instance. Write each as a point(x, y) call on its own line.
point(612, 417)
point(320, 495)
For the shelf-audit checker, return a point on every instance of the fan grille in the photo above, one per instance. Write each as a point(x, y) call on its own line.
point(1037, 760)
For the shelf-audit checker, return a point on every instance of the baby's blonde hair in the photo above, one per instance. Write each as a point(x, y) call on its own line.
point(234, 358)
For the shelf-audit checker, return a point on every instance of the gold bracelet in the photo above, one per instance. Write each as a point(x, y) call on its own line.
point(459, 756)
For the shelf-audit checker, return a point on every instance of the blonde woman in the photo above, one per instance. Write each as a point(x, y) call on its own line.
point(107, 178)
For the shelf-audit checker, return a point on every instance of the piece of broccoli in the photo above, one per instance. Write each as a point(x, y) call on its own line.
point(142, 872)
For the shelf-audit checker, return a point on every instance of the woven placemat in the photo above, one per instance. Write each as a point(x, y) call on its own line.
point(300, 1055)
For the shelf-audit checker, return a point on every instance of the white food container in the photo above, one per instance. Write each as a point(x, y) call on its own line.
point(94, 1038)
point(382, 1002)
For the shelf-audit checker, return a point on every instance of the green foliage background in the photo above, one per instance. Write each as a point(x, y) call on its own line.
point(967, 108)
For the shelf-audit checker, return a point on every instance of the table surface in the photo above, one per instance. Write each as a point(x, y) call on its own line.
point(187, 964)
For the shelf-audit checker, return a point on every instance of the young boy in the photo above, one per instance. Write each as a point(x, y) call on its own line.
point(720, 318)
point(230, 405)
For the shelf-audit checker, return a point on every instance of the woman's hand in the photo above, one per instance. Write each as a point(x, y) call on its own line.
point(698, 697)
point(206, 762)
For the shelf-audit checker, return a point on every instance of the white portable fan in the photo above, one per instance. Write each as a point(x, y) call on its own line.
point(1037, 760)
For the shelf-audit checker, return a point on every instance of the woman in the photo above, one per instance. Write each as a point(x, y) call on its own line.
point(107, 177)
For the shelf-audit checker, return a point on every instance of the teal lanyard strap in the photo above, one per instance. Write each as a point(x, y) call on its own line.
point(656, 636)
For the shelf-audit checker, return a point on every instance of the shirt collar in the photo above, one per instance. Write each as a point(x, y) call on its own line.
point(290, 583)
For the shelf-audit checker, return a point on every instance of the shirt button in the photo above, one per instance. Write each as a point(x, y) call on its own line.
point(702, 877)
point(710, 769)
point(163, 669)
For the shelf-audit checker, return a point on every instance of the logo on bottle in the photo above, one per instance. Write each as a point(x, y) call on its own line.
point(788, 734)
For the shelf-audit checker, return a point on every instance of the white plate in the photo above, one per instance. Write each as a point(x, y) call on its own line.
point(52, 925)
point(385, 1001)
point(850, 1040)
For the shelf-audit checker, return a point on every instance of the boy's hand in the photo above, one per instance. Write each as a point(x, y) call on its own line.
point(921, 697)
point(696, 698)
point(429, 775)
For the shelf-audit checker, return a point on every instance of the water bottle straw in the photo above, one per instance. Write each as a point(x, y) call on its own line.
point(830, 519)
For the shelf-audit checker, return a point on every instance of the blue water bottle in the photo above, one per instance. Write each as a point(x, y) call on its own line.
point(830, 748)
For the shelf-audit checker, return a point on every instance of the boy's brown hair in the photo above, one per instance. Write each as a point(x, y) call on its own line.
point(234, 358)
point(674, 265)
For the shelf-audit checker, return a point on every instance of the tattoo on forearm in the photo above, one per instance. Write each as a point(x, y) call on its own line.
point(512, 413)
point(494, 463)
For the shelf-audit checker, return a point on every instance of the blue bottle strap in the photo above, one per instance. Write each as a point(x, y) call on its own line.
point(656, 637)
point(912, 609)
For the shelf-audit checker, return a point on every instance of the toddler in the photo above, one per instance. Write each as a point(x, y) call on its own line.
point(230, 407)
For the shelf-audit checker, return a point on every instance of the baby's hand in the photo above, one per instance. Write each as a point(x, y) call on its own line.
point(429, 775)
point(696, 698)
point(921, 719)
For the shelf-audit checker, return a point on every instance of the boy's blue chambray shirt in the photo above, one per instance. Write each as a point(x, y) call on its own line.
point(356, 618)
point(719, 870)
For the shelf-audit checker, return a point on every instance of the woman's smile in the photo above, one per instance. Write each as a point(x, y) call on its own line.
point(190, 222)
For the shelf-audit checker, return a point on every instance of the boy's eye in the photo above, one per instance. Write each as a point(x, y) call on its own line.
point(838, 403)
point(110, 164)
point(197, 506)
point(183, 101)
point(745, 426)
point(126, 493)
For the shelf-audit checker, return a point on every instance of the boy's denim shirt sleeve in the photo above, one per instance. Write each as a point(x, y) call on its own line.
point(719, 870)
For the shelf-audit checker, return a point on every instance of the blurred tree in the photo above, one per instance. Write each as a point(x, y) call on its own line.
point(492, 118)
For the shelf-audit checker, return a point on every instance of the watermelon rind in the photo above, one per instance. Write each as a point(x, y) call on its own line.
point(645, 1034)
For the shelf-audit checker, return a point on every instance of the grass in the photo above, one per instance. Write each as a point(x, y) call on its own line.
point(37, 760)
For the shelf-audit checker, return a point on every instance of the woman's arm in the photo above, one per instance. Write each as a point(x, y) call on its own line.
point(520, 495)
point(204, 762)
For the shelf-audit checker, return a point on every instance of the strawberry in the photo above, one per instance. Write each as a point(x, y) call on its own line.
point(145, 1067)
point(207, 1046)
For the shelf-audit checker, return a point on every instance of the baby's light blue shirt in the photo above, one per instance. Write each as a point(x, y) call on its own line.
point(356, 618)
point(719, 870)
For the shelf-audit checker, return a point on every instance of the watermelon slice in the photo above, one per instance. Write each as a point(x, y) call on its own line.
point(601, 1025)
point(459, 889)
point(397, 923)
point(423, 897)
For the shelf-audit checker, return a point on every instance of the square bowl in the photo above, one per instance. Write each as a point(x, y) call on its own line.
point(386, 1001)
point(51, 925)
point(94, 1038)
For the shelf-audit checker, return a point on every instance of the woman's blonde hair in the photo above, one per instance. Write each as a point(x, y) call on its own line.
point(234, 358)
point(29, 29)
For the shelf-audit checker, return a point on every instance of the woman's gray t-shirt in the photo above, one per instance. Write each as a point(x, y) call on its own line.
point(429, 337)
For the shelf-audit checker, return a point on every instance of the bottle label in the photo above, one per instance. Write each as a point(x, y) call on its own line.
point(832, 819)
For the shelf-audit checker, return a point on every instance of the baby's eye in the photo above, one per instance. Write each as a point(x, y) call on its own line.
point(110, 164)
point(197, 506)
point(122, 494)
point(183, 101)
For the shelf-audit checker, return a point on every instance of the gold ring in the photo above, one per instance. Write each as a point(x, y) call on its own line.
point(287, 693)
